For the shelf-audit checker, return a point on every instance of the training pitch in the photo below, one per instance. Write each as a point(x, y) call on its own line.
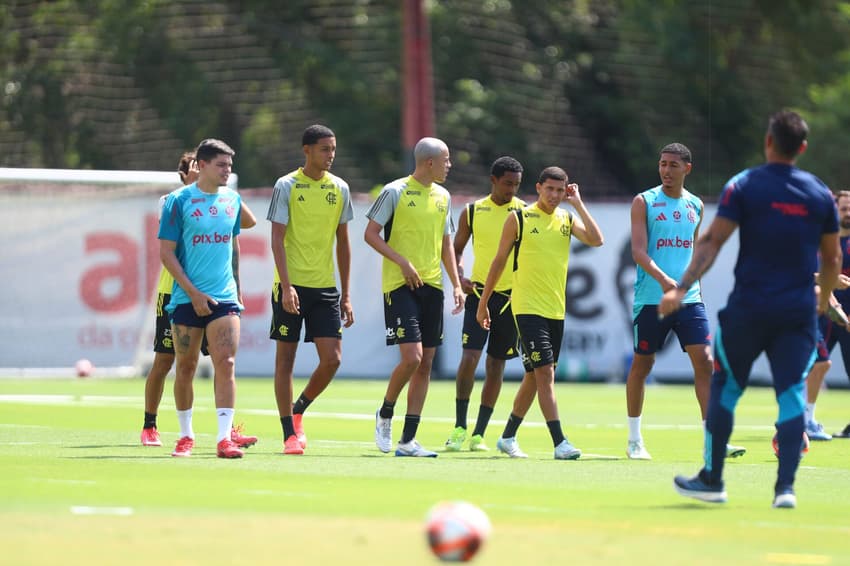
point(78, 488)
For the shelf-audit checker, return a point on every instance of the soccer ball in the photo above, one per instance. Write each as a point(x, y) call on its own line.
point(804, 445)
point(83, 368)
point(456, 530)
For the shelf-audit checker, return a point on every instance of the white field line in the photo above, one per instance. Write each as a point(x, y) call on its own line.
point(121, 401)
point(113, 511)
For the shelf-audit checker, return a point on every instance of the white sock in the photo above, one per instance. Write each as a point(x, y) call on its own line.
point(184, 419)
point(225, 423)
point(634, 429)
point(810, 412)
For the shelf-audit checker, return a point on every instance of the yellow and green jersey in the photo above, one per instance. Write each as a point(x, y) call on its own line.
point(312, 211)
point(486, 219)
point(543, 254)
point(415, 218)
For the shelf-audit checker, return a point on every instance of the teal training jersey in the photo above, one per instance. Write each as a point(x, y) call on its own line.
point(671, 225)
point(203, 225)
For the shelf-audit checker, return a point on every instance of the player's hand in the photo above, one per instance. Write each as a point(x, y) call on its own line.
point(668, 284)
point(671, 301)
point(572, 194)
point(346, 311)
point(460, 299)
point(289, 299)
point(843, 282)
point(201, 303)
point(483, 315)
point(466, 285)
point(411, 276)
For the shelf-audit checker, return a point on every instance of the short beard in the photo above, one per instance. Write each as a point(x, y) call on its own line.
point(845, 224)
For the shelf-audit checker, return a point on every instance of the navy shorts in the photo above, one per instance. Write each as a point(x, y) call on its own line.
point(414, 316)
point(184, 314)
point(320, 315)
point(690, 324)
point(501, 340)
point(540, 339)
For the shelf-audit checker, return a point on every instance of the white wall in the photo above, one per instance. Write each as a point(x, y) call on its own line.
point(78, 274)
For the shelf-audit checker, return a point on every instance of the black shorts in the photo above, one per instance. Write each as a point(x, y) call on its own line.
point(414, 316)
point(320, 315)
point(502, 343)
point(541, 340)
point(162, 340)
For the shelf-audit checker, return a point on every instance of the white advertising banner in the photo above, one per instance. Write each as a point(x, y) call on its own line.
point(79, 272)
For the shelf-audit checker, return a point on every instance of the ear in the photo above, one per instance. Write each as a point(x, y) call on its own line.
point(688, 167)
point(803, 147)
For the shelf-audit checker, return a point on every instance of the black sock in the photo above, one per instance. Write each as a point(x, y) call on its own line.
point(150, 420)
point(301, 405)
point(387, 410)
point(461, 408)
point(484, 414)
point(512, 426)
point(411, 423)
point(555, 431)
point(288, 427)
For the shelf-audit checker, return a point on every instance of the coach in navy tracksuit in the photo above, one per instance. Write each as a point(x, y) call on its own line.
point(786, 216)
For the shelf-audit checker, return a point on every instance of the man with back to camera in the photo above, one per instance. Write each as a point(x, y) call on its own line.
point(786, 216)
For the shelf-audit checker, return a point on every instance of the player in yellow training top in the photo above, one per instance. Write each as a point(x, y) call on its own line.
point(483, 220)
point(163, 345)
point(309, 211)
point(540, 236)
point(415, 215)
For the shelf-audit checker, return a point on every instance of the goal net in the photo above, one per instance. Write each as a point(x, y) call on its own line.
point(80, 268)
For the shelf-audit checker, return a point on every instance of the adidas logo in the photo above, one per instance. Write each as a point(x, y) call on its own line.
point(411, 203)
point(534, 231)
point(660, 217)
point(197, 214)
point(301, 198)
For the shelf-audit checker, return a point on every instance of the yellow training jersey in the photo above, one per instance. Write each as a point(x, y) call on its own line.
point(166, 282)
point(311, 210)
point(486, 219)
point(415, 219)
point(540, 281)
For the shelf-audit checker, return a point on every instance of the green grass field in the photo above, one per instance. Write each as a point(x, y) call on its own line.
point(78, 488)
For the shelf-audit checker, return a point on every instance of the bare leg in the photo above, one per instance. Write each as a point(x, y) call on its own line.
point(494, 373)
point(411, 355)
point(155, 382)
point(330, 356)
point(703, 365)
point(636, 382)
point(187, 348)
point(284, 361)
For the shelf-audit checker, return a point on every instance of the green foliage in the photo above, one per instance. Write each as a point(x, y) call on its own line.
point(85, 82)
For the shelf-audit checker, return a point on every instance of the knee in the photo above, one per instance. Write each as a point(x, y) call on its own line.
point(331, 363)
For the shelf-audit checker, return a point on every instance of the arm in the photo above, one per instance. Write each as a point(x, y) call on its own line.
point(374, 239)
point(461, 238)
point(506, 243)
point(168, 256)
point(640, 246)
point(288, 296)
point(705, 252)
point(830, 267)
point(234, 262)
point(247, 219)
point(585, 227)
point(448, 257)
point(343, 262)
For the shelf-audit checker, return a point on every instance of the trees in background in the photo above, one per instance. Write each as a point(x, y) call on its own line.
point(595, 86)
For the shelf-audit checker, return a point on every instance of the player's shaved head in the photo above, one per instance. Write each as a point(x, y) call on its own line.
point(429, 148)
